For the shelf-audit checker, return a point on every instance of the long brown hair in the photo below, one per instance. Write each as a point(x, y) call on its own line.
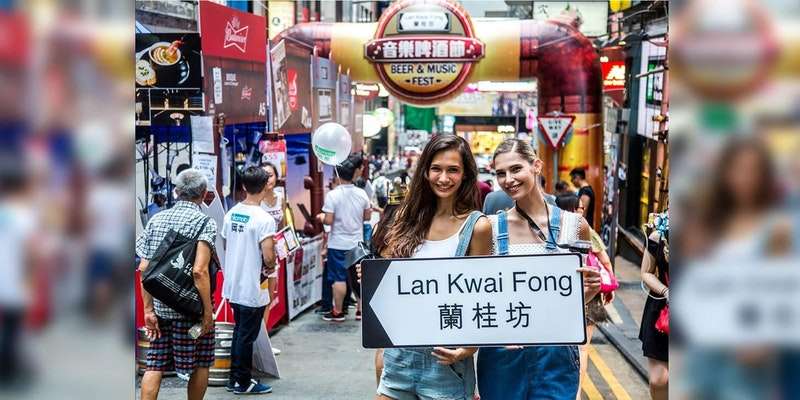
point(416, 212)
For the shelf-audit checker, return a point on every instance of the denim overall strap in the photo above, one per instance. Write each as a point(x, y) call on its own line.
point(502, 233)
point(554, 228)
point(466, 233)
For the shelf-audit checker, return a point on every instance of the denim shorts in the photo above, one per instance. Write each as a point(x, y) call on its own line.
point(415, 374)
point(536, 372)
point(335, 265)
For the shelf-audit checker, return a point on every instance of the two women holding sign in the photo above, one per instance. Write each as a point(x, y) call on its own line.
point(439, 218)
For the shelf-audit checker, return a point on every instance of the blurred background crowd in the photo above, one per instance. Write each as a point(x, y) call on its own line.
point(67, 195)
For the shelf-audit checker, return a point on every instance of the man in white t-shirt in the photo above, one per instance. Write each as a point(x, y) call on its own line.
point(249, 258)
point(345, 209)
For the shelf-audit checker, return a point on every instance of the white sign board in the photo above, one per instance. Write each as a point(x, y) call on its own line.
point(555, 128)
point(473, 301)
point(739, 302)
point(207, 164)
point(202, 134)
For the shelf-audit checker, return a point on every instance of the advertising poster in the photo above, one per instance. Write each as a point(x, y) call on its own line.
point(304, 276)
point(274, 152)
point(168, 79)
point(280, 84)
point(291, 79)
point(236, 88)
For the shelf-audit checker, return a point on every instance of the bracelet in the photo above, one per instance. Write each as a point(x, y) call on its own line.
point(664, 292)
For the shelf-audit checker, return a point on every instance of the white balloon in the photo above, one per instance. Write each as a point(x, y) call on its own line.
point(331, 143)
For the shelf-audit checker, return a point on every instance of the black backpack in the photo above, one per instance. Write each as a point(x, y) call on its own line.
point(169, 277)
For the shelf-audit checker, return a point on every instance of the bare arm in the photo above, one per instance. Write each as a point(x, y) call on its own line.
point(147, 299)
point(585, 199)
point(201, 275)
point(268, 253)
point(481, 242)
point(648, 270)
point(325, 218)
point(368, 214)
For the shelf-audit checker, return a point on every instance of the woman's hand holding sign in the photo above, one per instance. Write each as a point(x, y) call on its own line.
point(591, 283)
point(447, 356)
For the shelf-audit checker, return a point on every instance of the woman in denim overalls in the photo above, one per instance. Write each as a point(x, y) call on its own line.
point(438, 218)
point(531, 227)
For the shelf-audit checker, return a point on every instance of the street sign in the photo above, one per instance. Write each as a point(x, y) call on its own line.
point(473, 301)
point(555, 128)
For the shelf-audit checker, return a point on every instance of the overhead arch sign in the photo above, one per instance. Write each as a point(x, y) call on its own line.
point(424, 52)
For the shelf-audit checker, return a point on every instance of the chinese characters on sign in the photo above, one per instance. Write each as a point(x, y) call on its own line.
point(484, 316)
point(424, 49)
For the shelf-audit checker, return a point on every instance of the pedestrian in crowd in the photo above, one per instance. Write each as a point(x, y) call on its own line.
point(248, 231)
point(483, 190)
point(585, 193)
point(438, 218)
point(562, 188)
point(274, 203)
point(382, 185)
point(548, 198)
point(237, 194)
point(595, 310)
point(531, 227)
point(655, 344)
point(21, 254)
point(345, 209)
point(168, 330)
point(159, 203)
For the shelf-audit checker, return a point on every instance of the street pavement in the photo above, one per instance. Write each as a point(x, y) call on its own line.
point(323, 360)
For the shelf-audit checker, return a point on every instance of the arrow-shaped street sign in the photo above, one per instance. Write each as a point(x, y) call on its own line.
point(555, 128)
point(473, 301)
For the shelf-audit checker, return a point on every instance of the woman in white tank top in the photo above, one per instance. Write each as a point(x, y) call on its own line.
point(438, 218)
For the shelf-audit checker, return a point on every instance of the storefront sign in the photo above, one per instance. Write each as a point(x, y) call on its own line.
point(651, 88)
point(613, 75)
point(230, 33)
point(423, 53)
point(522, 300)
point(304, 276)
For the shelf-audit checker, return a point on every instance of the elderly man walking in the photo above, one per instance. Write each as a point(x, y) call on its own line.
point(171, 344)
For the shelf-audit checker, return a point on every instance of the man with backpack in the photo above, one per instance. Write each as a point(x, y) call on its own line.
point(171, 343)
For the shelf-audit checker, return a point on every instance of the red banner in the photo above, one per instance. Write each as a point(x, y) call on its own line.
point(229, 33)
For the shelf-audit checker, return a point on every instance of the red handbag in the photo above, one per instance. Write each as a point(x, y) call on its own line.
point(662, 323)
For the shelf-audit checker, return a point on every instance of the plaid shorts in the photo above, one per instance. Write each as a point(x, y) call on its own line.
point(175, 349)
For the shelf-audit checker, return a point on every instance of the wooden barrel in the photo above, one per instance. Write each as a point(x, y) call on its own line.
point(142, 346)
point(223, 337)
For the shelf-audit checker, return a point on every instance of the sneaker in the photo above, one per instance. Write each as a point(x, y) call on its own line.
point(254, 388)
point(231, 387)
point(276, 351)
point(358, 315)
point(331, 316)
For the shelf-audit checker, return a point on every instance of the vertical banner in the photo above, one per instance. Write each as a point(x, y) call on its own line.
point(291, 82)
point(304, 276)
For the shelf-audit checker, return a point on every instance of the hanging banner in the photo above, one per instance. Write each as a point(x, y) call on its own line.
point(304, 276)
point(235, 88)
point(230, 33)
point(424, 52)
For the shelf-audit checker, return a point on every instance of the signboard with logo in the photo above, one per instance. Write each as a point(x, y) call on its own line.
point(236, 88)
point(424, 52)
point(651, 88)
point(230, 33)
